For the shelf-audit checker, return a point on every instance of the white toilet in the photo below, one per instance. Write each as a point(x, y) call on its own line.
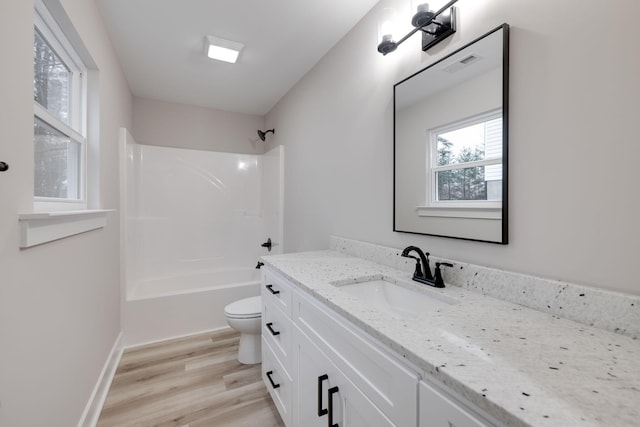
point(245, 316)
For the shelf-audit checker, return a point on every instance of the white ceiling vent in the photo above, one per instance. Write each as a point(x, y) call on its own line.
point(464, 62)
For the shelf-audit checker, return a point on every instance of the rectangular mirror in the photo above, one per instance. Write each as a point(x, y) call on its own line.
point(450, 144)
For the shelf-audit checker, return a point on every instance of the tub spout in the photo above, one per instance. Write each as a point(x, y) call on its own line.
point(260, 264)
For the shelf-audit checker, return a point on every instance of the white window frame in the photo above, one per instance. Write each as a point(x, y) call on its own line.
point(457, 208)
point(76, 130)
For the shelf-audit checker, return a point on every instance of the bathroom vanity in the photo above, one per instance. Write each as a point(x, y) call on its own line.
point(322, 370)
point(334, 355)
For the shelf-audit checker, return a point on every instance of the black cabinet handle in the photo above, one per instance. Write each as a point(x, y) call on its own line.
point(321, 379)
point(274, 385)
point(270, 328)
point(332, 391)
point(270, 287)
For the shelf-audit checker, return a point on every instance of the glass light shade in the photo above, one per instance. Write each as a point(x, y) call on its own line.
point(387, 25)
point(422, 13)
point(434, 5)
point(420, 6)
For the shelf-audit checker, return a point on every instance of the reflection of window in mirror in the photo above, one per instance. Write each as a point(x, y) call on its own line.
point(465, 164)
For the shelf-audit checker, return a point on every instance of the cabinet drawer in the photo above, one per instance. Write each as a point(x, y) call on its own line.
point(277, 330)
point(278, 382)
point(276, 291)
point(437, 409)
point(388, 384)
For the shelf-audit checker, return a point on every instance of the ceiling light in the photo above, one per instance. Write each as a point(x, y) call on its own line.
point(221, 49)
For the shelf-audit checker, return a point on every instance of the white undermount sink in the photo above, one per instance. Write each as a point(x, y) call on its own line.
point(394, 298)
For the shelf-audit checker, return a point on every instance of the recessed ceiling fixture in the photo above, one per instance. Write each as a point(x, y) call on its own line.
point(221, 49)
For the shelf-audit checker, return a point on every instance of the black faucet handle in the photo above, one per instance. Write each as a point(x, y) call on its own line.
point(418, 272)
point(439, 282)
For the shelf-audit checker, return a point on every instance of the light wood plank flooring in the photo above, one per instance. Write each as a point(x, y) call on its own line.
point(195, 382)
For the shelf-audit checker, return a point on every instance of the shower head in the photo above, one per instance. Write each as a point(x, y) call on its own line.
point(263, 133)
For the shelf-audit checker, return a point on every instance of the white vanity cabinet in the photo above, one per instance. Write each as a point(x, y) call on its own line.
point(324, 371)
point(277, 342)
point(438, 409)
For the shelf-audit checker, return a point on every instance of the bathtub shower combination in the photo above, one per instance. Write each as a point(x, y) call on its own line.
point(193, 223)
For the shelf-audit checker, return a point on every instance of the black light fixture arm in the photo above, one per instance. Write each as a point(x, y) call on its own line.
point(388, 46)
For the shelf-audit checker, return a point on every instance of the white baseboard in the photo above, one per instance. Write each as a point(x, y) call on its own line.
point(174, 337)
point(94, 406)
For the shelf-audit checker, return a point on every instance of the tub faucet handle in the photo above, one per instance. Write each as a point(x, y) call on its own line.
point(260, 264)
point(267, 244)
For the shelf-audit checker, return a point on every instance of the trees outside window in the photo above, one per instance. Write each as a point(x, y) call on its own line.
point(59, 114)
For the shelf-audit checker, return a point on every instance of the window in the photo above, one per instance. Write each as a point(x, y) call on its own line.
point(466, 163)
point(59, 122)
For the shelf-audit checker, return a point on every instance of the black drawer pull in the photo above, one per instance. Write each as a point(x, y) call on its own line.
point(270, 287)
point(270, 328)
point(321, 379)
point(274, 385)
point(332, 391)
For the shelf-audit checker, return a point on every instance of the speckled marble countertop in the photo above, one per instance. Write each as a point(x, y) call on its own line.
point(522, 366)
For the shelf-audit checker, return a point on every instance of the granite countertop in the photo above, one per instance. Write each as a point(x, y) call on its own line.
point(522, 366)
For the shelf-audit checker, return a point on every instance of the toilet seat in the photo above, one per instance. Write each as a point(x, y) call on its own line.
point(248, 308)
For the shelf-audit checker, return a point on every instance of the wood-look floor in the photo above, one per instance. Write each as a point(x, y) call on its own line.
point(195, 382)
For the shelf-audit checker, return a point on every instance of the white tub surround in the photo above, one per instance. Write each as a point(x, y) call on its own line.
point(192, 223)
point(521, 366)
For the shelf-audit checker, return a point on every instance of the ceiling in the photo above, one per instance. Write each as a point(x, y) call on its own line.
point(160, 46)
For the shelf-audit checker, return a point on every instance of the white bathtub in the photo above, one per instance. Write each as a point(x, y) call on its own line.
point(194, 282)
point(176, 306)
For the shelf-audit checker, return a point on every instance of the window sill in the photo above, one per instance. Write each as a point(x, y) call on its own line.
point(453, 212)
point(42, 227)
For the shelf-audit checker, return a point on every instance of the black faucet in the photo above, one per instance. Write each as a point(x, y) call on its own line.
point(418, 275)
point(425, 277)
point(260, 264)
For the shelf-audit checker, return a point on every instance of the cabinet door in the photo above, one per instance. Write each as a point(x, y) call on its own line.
point(385, 381)
point(324, 392)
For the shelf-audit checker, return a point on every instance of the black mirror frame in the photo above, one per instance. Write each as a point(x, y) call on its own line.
point(505, 136)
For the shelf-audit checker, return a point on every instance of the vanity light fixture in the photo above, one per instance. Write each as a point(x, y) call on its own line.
point(221, 49)
point(434, 26)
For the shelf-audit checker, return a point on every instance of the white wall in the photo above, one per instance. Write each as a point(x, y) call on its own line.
point(575, 103)
point(185, 126)
point(59, 302)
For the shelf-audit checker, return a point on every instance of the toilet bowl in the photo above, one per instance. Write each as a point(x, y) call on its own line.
point(245, 316)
